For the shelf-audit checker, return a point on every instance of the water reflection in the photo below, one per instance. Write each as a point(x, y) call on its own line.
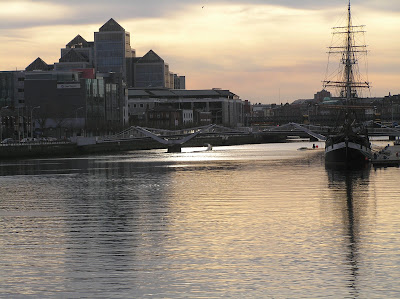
point(247, 221)
point(349, 187)
point(123, 209)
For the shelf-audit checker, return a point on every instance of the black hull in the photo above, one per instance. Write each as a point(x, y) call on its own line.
point(348, 149)
point(346, 155)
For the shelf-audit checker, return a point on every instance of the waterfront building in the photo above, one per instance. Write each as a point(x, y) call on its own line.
point(53, 99)
point(165, 117)
point(203, 118)
point(263, 110)
point(13, 116)
point(187, 117)
point(86, 90)
point(66, 103)
point(260, 114)
point(7, 89)
point(106, 104)
point(208, 106)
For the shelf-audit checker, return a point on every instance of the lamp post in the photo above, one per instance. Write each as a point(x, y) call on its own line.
point(37, 107)
point(391, 104)
point(1, 126)
point(76, 117)
point(1, 121)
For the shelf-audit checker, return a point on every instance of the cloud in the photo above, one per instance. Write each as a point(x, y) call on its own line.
point(252, 47)
point(25, 14)
point(31, 13)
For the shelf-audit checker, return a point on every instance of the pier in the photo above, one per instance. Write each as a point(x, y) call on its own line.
point(388, 156)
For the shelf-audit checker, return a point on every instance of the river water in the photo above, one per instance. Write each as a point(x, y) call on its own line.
point(249, 221)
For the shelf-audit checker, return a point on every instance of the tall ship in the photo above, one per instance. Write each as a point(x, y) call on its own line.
point(349, 142)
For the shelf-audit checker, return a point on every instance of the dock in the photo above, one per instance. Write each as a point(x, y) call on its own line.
point(389, 155)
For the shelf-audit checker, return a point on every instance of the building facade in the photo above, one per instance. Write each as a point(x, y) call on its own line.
point(67, 103)
point(149, 71)
point(112, 50)
point(7, 89)
point(77, 54)
point(179, 82)
point(206, 106)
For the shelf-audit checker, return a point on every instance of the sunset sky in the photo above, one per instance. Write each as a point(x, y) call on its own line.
point(268, 51)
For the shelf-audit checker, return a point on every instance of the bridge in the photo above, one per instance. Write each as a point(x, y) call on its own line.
point(173, 139)
point(320, 132)
point(139, 138)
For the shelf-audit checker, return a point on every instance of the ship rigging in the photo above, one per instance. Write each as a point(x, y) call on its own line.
point(349, 143)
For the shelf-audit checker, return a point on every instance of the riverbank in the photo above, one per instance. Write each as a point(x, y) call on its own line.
point(82, 147)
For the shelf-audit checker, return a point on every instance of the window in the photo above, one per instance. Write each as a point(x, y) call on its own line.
point(20, 90)
point(141, 105)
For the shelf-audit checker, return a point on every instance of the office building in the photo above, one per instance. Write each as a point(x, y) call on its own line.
point(208, 106)
point(71, 104)
point(179, 82)
point(113, 51)
point(77, 54)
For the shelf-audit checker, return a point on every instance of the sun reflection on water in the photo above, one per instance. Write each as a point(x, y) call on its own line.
point(244, 221)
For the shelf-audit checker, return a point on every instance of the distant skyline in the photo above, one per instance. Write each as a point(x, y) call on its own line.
point(264, 51)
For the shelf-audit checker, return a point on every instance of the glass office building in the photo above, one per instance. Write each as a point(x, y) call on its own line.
point(113, 52)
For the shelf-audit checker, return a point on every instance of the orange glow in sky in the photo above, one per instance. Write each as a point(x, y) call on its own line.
point(263, 52)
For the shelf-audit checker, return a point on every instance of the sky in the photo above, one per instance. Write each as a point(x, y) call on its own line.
point(265, 51)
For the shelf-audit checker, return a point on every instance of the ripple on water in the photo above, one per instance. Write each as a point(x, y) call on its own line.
point(234, 222)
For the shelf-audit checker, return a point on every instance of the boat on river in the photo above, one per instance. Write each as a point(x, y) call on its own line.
point(348, 142)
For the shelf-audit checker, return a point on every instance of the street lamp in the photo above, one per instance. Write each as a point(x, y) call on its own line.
point(76, 117)
point(37, 107)
point(391, 104)
point(1, 121)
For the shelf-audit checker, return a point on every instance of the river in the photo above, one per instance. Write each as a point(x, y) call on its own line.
point(249, 221)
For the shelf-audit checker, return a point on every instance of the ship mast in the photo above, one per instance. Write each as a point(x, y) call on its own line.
point(349, 62)
point(347, 82)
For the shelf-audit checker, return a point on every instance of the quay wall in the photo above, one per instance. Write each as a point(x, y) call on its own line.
point(14, 151)
point(148, 143)
point(17, 151)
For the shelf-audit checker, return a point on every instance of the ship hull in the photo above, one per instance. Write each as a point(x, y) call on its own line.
point(347, 152)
